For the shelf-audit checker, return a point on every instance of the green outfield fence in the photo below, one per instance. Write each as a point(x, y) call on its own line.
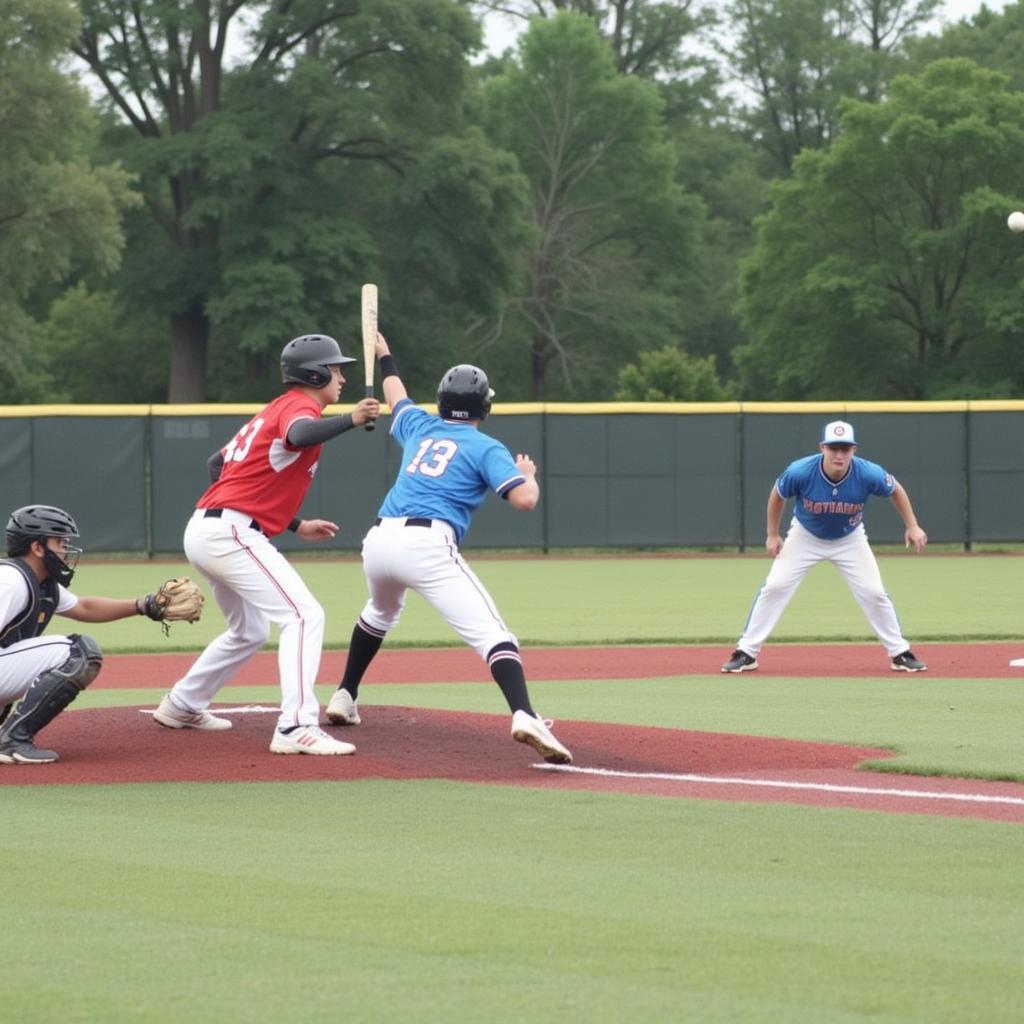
point(612, 475)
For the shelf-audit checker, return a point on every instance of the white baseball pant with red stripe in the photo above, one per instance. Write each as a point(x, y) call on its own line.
point(254, 586)
point(397, 558)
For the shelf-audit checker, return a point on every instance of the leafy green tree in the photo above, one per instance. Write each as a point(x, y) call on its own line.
point(270, 178)
point(670, 375)
point(800, 58)
point(666, 44)
point(646, 36)
point(59, 213)
point(884, 268)
point(613, 232)
point(993, 39)
point(106, 354)
point(718, 162)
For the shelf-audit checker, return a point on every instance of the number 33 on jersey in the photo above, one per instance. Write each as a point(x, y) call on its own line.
point(261, 443)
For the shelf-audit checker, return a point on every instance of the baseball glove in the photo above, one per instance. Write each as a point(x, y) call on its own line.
point(177, 600)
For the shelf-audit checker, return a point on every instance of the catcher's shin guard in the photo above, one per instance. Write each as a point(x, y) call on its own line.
point(50, 693)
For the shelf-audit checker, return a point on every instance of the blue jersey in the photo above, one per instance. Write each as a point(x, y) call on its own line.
point(829, 509)
point(447, 468)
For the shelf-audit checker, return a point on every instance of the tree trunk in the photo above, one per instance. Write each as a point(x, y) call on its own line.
point(538, 369)
point(190, 335)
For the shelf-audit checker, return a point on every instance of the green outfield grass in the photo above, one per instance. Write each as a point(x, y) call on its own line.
point(429, 901)
point(432, 901)
point(629, 600)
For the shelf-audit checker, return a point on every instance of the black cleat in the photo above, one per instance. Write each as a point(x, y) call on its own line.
point(740, 662)
point(906, 662)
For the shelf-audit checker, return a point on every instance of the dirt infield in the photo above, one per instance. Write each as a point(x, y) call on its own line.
point(123, 745)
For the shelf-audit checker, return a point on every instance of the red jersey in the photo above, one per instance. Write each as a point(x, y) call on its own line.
point(263, 476)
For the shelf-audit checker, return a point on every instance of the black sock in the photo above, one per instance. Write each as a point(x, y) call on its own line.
point(508, 674)
point(361, 650)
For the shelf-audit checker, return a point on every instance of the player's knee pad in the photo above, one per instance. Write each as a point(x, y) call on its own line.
point(84, 661)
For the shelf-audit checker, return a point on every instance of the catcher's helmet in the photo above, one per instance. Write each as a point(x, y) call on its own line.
point(464, 394)
point(308, 360)
point(37, 522)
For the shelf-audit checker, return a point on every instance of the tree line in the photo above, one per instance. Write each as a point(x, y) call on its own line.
point(691, 201)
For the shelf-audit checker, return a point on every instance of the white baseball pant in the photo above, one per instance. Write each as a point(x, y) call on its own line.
point(853, 557)
point(397, 558)
point(23, 661)
point(254, 585)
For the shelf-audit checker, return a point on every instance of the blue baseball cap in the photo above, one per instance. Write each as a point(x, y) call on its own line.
point(838, 432)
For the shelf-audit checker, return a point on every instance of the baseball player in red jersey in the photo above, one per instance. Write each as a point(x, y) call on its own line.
point(260, 479)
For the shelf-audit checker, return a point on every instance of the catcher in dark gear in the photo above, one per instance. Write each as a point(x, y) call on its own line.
point(40, 676)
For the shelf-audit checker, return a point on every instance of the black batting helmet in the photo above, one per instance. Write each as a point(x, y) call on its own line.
point(308, 360)
point(37, 522)
point(464, 394)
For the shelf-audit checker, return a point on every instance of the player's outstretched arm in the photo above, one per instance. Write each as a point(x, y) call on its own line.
point(913, 534)
point(101, 609)
point(391, 383)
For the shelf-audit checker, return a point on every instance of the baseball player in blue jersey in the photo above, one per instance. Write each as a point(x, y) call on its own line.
point(831, 490)
point(448, 466)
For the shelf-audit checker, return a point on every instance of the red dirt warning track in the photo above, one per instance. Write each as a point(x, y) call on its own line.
point(460, 665)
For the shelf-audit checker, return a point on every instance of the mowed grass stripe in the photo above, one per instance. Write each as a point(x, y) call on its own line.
point(434, 901)
point(626, 600)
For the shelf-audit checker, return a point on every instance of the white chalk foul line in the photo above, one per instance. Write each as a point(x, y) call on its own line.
point(821, 787)
point(248, 709)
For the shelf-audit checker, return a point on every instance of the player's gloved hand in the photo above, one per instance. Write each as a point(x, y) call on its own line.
point(177, 600)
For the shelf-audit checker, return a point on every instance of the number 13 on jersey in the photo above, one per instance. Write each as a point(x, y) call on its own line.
point(440, 454)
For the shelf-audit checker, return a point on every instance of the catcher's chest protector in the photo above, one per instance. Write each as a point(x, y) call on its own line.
point(36, 615)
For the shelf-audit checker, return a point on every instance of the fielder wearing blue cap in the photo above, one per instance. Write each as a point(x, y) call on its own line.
point(830, 490)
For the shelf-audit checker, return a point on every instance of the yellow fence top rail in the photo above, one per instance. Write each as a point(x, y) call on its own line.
point(550, 408)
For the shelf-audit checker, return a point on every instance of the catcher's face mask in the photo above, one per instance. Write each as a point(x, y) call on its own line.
point(61, 559)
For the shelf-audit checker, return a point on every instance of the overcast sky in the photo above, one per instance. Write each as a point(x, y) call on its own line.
point(954, 10)
point(499, 33)
point(965, 8)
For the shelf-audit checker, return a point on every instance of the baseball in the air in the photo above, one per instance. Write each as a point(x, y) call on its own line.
point(1015, 222)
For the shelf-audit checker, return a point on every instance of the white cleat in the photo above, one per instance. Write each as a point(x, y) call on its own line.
point(308, 739)
point(342, 710)
point(173, 717)
point(537, 733)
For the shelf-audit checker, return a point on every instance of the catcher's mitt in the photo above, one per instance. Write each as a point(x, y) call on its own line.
point(177, 600)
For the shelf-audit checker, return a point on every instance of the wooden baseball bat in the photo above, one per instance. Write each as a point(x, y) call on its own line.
point(369, 340)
